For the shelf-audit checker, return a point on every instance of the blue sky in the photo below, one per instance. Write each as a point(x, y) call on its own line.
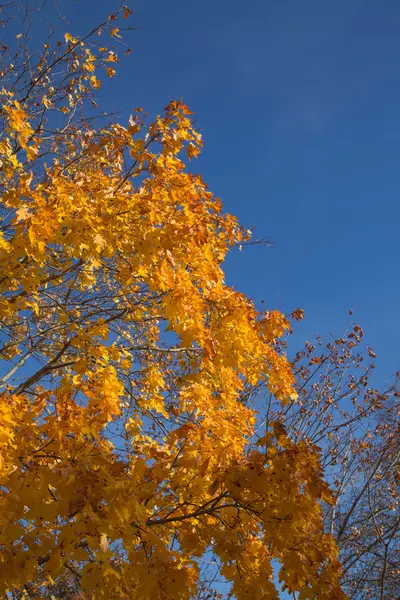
point(299, 105)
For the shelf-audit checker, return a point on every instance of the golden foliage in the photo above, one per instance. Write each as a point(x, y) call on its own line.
point(125, 452)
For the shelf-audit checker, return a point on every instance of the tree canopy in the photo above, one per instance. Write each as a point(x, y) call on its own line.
point(128, 460)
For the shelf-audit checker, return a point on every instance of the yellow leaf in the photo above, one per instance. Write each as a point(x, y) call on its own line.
point(46, 102)
point(103, 542)
point(22, 214)
point(69, 38)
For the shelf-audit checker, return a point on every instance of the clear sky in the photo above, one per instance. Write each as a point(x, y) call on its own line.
point(299, 105)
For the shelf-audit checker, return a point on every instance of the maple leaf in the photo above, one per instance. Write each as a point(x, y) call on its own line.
point(99, 241)
point(69, 38)
point(46, 102)
point(192, 151)
point(298, 314)
point(22, 214)
point(127, 12)
point(103, 542)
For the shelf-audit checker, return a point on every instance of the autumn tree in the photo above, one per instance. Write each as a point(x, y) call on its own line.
point(367, 520)
point(357, 428)
point(126, 436)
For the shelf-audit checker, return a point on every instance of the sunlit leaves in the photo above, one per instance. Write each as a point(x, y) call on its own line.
point(125, 431)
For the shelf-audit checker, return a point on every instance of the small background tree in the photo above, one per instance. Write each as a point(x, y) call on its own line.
point(356, 426)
